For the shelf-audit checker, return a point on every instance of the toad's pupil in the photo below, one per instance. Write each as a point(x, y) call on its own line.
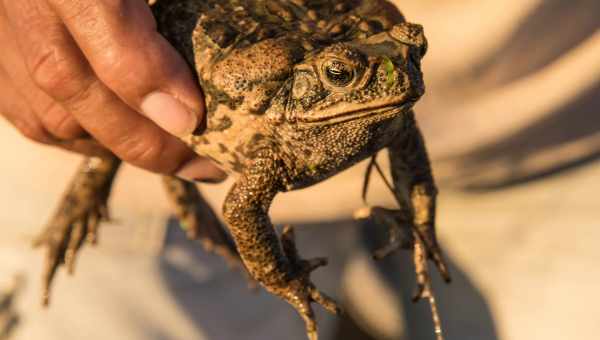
point(339, 74)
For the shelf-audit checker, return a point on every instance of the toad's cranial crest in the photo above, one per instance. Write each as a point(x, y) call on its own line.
point(296, 91)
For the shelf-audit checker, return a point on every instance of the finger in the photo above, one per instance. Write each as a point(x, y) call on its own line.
point(201, 170)
point(56, 120)
point(85, 146)
point(104, 213)
point(14, 108)
point(421, 271)
point(120, 40)
point(419, 292)
point(92, 232)
point(306, 312)
point(17, 111)
point(433, 250)
point(313, 264)
point(60, 69)
point(326, 302)
point(53, 125)
point(441, 265)
point(74, 244)
point(50, 267)
point(386, 250)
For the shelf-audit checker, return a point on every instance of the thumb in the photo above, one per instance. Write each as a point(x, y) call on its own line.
point(120, 41)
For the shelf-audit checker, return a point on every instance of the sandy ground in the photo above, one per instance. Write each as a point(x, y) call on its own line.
point(511, 118)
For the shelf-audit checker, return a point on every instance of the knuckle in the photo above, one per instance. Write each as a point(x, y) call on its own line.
point(74, 10)
point(126, 72)
point(33, 131)
point(145, 152)
point(24, 121)
point(114, 63)
point(56, 75)
point(60, 123)
point(46, 70)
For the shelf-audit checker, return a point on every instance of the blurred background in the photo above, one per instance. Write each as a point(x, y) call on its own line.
point(512, 121)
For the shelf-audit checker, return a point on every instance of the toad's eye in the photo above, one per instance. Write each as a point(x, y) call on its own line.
point(338, 73)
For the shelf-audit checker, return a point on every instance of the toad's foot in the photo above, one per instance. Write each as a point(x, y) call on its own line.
point(207, 229)
point(300, 292)
point(77, 218)
point(64, 236)
point(404, 235)
point(199, 220)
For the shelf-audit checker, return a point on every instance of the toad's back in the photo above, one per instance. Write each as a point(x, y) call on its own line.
point(245, 50)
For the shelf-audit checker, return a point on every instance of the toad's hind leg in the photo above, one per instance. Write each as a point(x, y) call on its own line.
point(76, 220)
point(412, 226)
point(414, 188)
point(199, 220)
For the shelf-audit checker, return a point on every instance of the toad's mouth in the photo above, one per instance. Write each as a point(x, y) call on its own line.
point(383, 112)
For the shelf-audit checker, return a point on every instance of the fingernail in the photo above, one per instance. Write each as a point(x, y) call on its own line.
point(201, 170)
point(169, 113)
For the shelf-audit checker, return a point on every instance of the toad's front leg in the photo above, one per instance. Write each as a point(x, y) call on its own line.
point(279, 269)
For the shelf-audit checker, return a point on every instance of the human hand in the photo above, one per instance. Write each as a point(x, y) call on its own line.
point(74, 68)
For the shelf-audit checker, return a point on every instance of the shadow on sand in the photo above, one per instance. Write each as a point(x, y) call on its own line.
point(562, 140)
point(550, 30)
point(223, 308)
